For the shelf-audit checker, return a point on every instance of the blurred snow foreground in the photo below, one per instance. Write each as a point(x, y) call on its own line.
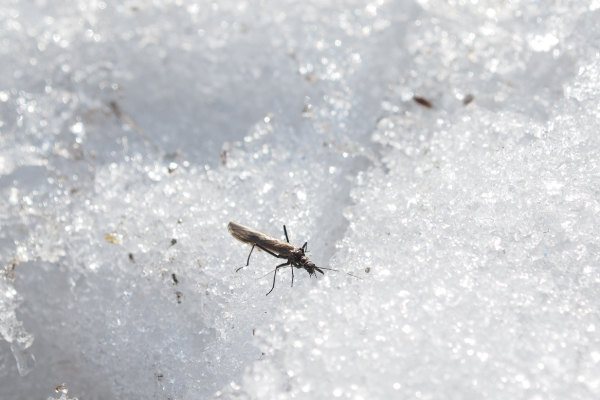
point(445, 152)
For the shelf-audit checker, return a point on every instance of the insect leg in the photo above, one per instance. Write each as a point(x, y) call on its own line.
point(275, 275)
point(292, 276)
point(270, 252)
point(286, 236)
point(304, 246)
point(248, 262)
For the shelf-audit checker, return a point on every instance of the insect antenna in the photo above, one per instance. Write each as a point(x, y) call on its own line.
point(347, 273)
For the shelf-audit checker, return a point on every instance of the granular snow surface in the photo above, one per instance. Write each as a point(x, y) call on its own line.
point(442, 157)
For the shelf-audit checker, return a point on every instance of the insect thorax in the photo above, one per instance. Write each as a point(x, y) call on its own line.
point(299, 257)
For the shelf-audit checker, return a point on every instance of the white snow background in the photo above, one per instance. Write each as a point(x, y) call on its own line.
point(132, 132)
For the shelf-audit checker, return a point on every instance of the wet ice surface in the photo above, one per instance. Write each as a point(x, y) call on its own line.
point(132, 134)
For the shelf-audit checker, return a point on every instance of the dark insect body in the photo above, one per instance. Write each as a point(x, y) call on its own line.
point(295, 256)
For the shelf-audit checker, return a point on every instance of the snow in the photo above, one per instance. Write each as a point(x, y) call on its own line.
point(132, 133)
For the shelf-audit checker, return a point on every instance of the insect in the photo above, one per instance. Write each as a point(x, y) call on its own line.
point(295, 256)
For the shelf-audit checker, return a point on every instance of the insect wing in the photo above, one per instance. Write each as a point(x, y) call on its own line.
point(247, 235)
point(253, 237)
